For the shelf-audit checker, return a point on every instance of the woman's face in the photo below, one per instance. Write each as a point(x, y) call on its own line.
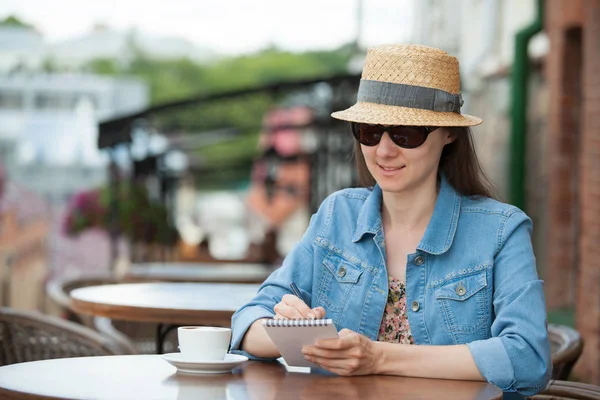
point(398, 170)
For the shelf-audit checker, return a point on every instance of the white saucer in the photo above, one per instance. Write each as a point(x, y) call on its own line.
point(204, 367)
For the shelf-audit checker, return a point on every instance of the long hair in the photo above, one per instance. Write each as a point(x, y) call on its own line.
point(458, 162)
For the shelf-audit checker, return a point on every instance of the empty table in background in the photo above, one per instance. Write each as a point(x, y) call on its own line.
point(200, 272)
point(165, 302)
point(169, 304)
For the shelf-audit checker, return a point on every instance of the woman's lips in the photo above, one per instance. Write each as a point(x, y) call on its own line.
point(388, 170)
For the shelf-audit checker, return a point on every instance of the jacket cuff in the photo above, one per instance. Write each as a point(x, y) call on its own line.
point(493, 362)
point(240, 324)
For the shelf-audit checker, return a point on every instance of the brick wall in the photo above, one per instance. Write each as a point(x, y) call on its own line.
point(563, 26)
point(588, 299)
point(573, 238)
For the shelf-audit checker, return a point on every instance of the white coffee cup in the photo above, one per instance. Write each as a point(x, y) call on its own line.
point(203, 343)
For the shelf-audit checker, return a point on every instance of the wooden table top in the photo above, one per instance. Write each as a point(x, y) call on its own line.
point(150, 377)
point(165, 302)
point(199, 272)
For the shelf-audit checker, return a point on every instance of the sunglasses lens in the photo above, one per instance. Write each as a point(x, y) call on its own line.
point(408, 136)
point(404, 136)
point(369, 135)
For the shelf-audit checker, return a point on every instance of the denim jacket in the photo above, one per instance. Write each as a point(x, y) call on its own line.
point(472, 280)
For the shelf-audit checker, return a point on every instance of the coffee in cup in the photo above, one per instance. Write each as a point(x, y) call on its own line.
point(203, 343)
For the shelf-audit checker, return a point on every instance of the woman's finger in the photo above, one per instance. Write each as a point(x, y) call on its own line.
point(287, 311)
point(341, 366)
point(293, 301)
point(346, 339)
point(312, 351)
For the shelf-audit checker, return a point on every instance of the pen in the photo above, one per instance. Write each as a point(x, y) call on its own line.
point(297, 292)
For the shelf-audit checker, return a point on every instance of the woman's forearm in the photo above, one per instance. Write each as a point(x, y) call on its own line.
point(445, 362)
point(257, 342)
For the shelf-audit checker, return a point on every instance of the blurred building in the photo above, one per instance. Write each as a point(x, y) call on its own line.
point(48, 127)
point(48, 144)
point(20, 47)
point(24, 49)
point(105, 43)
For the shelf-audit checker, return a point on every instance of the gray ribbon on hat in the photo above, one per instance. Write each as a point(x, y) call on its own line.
point(397, 94)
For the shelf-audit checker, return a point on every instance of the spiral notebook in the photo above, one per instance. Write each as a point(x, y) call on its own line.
point(290, 335)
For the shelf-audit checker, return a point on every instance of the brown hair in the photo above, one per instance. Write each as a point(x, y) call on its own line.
point(458, 162)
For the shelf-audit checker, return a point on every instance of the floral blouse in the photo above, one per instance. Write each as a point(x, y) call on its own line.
point(394, 325)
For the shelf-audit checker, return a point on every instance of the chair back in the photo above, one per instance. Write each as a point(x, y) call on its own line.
point(565, 390)
point(566, 345)
point(32, 336)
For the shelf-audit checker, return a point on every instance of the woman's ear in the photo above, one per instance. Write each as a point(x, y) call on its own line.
point(449, 136)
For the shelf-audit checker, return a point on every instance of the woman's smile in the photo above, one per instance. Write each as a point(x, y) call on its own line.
point(387, 170)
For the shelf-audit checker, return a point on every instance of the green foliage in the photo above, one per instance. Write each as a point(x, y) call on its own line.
point(138, 218)
point(168, 79)
point(223, 154)
point(178, 79)
point(271, 66)
point(171, 80)
point(14, 21)
point(103, 66)
point(49, 65)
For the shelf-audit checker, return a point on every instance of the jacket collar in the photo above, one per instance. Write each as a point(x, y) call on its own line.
point(440, 232)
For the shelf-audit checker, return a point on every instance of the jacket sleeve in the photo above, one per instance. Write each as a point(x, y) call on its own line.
point(297, 267)
point(517, 356)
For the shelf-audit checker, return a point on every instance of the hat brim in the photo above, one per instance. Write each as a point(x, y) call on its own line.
point(381, 114)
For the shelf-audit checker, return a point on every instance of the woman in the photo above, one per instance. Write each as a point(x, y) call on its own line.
point(424, 257)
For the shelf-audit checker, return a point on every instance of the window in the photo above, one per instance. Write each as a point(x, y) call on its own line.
point(11, 100)
point(54, 101)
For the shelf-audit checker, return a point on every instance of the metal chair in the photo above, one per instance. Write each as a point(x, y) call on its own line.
point(566, 345)
point(31, 336)
point(564, 390)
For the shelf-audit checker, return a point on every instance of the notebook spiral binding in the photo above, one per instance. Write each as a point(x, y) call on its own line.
point(297, 323)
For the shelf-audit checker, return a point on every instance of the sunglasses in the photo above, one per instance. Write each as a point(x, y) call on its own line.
point(407, 137)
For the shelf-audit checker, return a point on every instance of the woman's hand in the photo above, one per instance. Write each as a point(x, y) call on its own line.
point(291, 307)
point(349, 354)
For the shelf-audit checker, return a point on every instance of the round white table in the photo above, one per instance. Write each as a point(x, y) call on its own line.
point(166, 303)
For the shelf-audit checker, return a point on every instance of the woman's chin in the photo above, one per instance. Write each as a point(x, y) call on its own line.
point(391, 186)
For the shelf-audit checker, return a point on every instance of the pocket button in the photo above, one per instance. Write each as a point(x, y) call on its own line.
point(342, 272)
point(461, 290)
point(415, 306)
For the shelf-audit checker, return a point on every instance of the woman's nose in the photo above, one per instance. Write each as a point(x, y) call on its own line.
point(386, 147)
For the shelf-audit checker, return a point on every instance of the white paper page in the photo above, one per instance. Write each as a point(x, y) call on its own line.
point(290, 340)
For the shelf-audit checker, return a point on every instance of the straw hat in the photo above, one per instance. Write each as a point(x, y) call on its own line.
point(409, 85)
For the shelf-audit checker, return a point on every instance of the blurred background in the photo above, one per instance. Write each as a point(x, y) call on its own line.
point(199, 131)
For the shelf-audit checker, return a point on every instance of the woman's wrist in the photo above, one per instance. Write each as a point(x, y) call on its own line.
point(257, 342)
point(384, 353)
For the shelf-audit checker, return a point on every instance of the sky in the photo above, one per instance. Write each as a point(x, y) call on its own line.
point(226, 26)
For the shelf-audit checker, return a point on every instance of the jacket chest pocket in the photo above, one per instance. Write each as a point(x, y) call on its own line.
point(463, 303)
point(338, 280)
